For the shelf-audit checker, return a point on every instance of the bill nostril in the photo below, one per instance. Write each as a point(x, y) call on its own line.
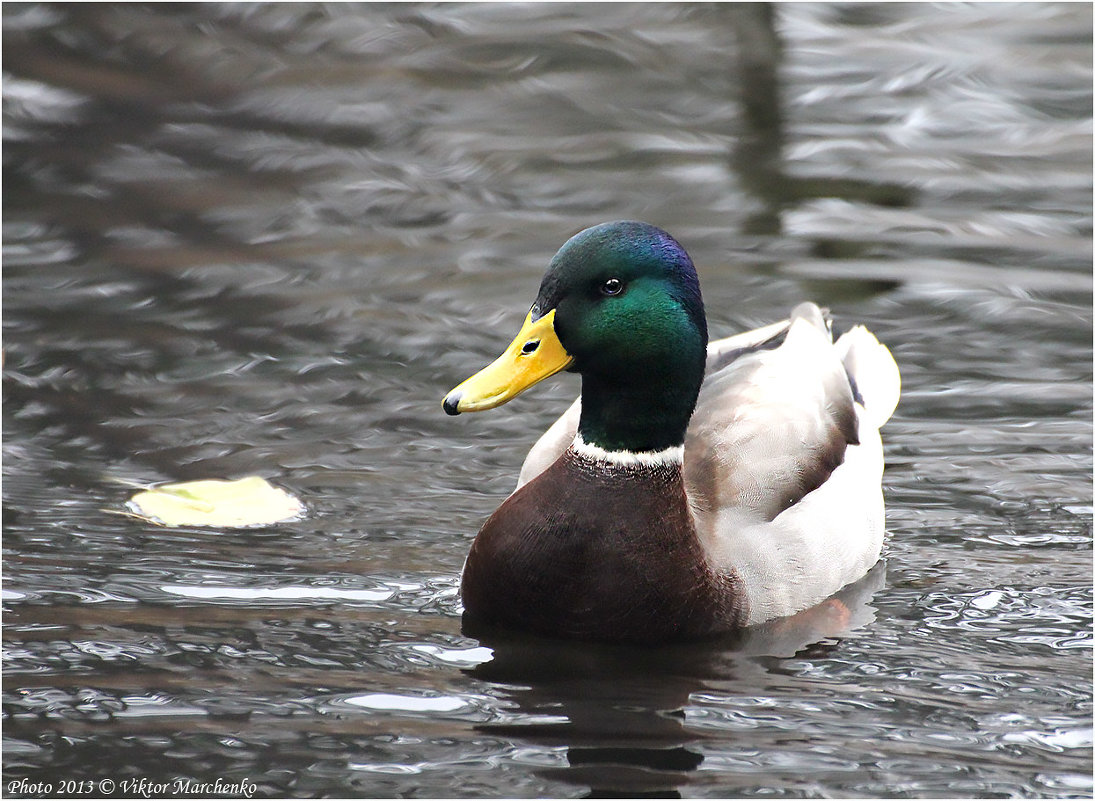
point(530, 347)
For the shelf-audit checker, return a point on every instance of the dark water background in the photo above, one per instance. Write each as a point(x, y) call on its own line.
point(266, 239)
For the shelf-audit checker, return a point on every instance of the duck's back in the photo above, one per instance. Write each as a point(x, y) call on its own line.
point(771, 425)
point(784, 464)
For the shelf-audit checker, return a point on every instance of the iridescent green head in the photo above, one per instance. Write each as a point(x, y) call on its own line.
point(621, 305)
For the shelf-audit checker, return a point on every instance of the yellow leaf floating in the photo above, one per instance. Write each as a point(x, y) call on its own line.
point(243, 503)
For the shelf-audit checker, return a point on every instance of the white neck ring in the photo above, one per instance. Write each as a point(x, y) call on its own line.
point(673, 455)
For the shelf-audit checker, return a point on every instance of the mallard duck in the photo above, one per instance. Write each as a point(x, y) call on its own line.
point(694, 487)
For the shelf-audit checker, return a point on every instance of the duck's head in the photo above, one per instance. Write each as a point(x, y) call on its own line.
point(620, 304)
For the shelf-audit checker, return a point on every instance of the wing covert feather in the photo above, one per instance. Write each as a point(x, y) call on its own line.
point(770, 426)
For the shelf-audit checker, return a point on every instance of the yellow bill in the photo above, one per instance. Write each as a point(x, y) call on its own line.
point(535, 354)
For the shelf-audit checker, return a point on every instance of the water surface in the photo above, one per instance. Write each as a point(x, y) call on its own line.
point(267, 239)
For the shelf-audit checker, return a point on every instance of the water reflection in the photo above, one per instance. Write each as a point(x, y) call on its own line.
point(758, 156)
point(620, 712)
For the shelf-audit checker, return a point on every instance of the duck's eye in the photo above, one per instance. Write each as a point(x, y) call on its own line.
point(613, 286)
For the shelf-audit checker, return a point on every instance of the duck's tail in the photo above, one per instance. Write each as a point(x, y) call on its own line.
point(873, 371)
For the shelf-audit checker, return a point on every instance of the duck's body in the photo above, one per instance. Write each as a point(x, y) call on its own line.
point(693, 488)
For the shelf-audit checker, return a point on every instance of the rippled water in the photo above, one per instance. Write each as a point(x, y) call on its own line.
point(267, 239)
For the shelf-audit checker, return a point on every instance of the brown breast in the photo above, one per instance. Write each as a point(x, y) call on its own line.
point(596, 550)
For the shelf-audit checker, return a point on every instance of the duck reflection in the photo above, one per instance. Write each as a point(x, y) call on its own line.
point(620, 710)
